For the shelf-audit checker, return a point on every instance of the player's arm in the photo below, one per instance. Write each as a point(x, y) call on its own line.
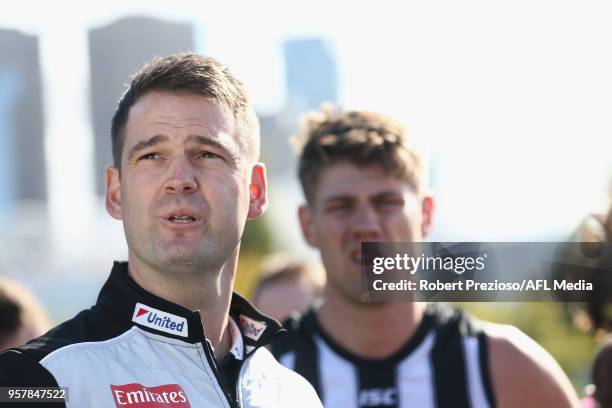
point(17, 371)
point(524, 374)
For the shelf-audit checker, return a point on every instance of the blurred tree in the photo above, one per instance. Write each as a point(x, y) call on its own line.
point(257, 237)
point(257, 242)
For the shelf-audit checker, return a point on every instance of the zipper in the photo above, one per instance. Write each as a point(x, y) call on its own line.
point(239, 380)
point(212, 362)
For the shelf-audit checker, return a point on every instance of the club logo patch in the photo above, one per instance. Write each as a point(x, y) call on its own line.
point(158, 320)
point(252, 328)
point(378, 397)
point(138, 396)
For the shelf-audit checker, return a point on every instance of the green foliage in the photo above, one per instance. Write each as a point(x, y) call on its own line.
point(256, 244)
point(257, 237)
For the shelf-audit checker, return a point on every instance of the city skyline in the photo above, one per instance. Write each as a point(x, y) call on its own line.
point(512, 143)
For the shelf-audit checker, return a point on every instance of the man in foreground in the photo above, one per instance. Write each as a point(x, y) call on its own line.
point(363, 182)
point(167, 329)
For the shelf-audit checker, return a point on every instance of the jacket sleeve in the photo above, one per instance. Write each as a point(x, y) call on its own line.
point(19, 370)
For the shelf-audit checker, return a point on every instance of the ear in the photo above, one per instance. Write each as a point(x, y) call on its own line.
point(306, 222)
point(113, 192)
point(428, 206)
point(258, 191)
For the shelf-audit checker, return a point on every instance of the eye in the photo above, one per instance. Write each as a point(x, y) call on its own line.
point(392, 202)
point(338, 206)
point(150, 156)
point(209, 155)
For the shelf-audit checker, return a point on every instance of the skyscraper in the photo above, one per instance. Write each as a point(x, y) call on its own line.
point(22, 155)
point(312, 76)
point(117, 51)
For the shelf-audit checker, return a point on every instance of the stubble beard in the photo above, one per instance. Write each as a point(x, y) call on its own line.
point(209, 254)
point(176, 258)
point(347, 287)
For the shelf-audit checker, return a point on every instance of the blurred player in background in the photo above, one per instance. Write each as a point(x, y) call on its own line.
point(593, 256)
point(589, 254)
point(21, 316)
point(602, 375)
point(363, 182)
point(287, 286)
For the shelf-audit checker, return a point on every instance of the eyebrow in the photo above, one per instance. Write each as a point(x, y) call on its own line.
point(377, 196)
point(197, 139)
point(157, 139)
point(339, 197)
point(387, 194)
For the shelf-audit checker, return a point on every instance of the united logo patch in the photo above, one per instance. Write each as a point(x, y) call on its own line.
point(159, 320)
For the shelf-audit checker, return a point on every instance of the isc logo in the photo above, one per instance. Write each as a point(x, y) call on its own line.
point(378, 397)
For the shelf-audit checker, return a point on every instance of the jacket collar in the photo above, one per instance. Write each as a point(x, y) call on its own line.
point(135, 306)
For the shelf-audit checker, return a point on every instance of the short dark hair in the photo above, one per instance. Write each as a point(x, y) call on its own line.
point(193, 73)
point(362, 138)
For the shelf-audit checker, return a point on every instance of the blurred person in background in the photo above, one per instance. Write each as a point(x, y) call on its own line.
point(588, 254)
point(589, 251)
point(600, 390)
point(287, 286)
point(167, 326)
point(21, 316)
point(602, 366)
point(363, 182)
point(602, 375)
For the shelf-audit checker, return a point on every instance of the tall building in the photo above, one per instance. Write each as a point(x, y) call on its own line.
point(116, 51)
point(311, 79)
point(22, 154)
point(312, 76)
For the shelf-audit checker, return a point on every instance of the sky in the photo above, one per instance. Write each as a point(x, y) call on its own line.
point(510, 101)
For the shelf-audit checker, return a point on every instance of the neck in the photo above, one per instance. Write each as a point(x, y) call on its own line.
point(209, 291)
point(357, 327)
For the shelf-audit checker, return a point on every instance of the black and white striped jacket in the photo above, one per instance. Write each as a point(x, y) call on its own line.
point(443, 365)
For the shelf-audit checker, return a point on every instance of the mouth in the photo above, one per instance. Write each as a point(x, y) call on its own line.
point(181, 218)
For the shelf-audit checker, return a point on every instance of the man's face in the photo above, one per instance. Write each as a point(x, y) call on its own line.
point(185, 188)
point(356, 204)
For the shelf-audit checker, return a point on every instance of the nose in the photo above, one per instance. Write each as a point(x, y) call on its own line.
point(366, 226)
point(181, 177)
